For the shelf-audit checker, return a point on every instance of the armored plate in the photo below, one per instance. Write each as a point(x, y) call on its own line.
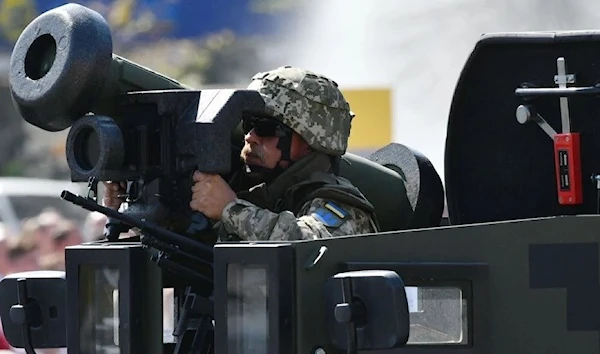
point(499, 169)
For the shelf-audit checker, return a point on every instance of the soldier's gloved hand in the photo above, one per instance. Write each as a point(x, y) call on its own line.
point(112, 190)
point(210, 195)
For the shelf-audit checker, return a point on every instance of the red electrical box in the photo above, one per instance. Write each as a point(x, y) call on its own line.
point(567, 160)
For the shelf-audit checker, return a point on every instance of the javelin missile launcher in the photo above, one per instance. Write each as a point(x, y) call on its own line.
point(515, 270)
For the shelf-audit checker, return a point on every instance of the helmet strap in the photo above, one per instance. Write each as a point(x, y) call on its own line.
point(335, 164)
point(285, 145)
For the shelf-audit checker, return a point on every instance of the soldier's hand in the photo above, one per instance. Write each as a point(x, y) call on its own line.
point(112, 190)
point(210, 195)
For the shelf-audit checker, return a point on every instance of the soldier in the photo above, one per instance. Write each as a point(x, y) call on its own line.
point(288, 189)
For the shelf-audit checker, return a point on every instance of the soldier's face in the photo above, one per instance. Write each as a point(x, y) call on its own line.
point(260, 150)
point(261, 139)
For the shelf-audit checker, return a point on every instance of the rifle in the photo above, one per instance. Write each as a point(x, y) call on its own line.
point(182, 256)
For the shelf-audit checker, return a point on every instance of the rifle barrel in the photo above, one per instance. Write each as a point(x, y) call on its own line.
point(204, 251)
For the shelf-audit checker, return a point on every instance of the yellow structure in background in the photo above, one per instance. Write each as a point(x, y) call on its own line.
point(372, 126)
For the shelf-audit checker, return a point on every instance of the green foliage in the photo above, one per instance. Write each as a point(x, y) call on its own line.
point(218, 59)
point(13, 168)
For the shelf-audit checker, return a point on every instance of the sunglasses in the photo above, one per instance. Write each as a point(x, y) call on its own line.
point(265, 127)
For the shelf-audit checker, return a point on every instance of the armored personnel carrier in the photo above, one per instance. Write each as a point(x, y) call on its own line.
point(515, 270)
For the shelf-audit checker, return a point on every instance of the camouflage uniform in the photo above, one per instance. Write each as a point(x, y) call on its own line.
point(252, 223)
point(313, 107)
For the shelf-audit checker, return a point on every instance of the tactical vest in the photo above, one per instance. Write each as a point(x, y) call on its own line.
point(307, 179)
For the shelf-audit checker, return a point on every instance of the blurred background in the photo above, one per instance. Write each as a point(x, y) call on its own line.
point(397, 62)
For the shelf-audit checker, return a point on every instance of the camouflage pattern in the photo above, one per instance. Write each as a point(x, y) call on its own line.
point(310, 104)
point(252, 223)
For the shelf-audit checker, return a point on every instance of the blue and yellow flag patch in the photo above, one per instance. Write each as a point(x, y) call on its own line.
point(331, 215)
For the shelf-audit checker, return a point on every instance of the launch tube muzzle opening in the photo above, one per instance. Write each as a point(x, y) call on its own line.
point(94, 144)
point(59, 66)
point(40, 57)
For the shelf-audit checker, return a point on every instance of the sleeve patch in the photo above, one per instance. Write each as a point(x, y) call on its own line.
point(331, 215)
point(336, 209)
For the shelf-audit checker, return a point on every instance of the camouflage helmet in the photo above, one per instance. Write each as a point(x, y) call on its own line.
point(309, 103)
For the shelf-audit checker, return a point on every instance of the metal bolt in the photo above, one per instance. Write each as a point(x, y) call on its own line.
point(523, 114)
point(320, 351)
